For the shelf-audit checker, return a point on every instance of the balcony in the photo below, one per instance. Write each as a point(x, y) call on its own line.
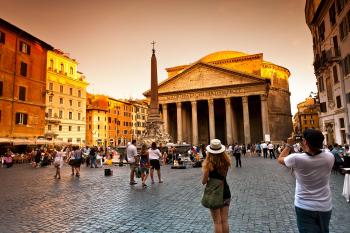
point(52, 120)
point(327, 57)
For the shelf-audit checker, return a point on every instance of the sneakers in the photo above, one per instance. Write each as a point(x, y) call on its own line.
point(133, 183)
point(144, 185)
point(160, 181)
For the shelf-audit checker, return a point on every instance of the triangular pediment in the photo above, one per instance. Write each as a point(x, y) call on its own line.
point(203, 76)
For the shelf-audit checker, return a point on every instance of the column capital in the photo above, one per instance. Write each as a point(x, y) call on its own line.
point(210, 101)
point(245, 99)
point(193, 102)
point(178, 104)
point(263, 97)
point(227, 101)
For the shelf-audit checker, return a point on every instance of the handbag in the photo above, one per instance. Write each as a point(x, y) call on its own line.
point(213, 196)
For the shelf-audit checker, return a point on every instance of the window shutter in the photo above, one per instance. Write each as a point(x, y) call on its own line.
point(25, 118)
point(28, 49)
point(17, 117)
point(1, 87)
point(20, 46)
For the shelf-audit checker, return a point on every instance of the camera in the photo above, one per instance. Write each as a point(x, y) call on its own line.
point(298, 138)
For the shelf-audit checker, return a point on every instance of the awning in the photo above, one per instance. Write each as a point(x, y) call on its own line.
point(23, 141)
point(6, 140)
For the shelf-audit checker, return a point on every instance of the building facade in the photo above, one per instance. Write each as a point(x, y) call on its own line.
point(22, 83)
point(65, 99)
point(139, 117)
point(307, 116)
point(228, 95)
point(329, 23)
point(109, 121)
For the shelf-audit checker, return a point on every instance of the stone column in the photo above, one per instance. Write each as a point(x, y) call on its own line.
point(228, 120)
point(179, 122)
point(246, 120)
point(264, 115)
point(165, 117)
point(211, 119)
point(194, 123)
point(234, 125)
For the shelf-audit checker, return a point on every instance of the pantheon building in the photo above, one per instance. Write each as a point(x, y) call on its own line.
point(232, 96)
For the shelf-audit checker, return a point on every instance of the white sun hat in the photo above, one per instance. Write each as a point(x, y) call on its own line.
point(215, 147)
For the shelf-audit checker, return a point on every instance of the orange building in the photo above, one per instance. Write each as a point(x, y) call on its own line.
point(307, 115)
point(22, 83)
point(108, 121)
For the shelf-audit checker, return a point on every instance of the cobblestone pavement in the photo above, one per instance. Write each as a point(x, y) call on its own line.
point(262, 201)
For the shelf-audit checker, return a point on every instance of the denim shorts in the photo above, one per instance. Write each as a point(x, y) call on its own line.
point(312, 221)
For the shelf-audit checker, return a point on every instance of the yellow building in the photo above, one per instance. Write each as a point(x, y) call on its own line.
point(307, 116)
point(65, 99)
point(139, 117)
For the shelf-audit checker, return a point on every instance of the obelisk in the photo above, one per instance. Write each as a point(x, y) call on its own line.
point(154, 115)
point(154, 131)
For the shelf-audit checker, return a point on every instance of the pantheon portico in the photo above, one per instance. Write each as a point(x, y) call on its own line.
point(227, 95)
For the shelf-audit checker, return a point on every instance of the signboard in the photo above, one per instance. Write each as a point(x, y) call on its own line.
point(267, 138)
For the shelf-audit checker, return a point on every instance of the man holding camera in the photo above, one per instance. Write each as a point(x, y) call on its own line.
point(312, 168)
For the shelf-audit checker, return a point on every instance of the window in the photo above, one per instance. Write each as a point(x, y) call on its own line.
point(60, 128)
point(78, 128)
point(332, 14)
point(109, 120)
point(51, 86)
point(98, 126)
point(78, 140)
point(346, 65)
point(22, 93)
point(60, 114)
point(341, 123)
point(62, 67)
point(338, 101)
point(79, 93)
point(50, 98)
point(61, 100)
point(69, 139)
point(71, 91)
point(24, 48)
point(71, 70)
point(335, 74)
point(321, 30)
point(2, 38)
point(49, 127)
point(323, 107)
point(61, 89)
point(343, 28)
point(79, 104)
point(50, 112)
point(23, 70)
point(1, 87)
point(21, 118)
point(70, 128)
point(51, 64)
point(70, 115)
point(71, 102)
point(79, 115)
point(89, 126)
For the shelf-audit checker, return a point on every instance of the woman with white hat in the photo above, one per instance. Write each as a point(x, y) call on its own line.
point(215, 166)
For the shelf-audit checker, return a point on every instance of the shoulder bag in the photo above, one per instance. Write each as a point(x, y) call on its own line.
point(213, 196)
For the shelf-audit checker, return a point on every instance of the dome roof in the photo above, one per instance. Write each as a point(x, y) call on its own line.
point(221, 55)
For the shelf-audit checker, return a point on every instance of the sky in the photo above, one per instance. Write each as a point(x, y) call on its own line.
point(111, 39)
